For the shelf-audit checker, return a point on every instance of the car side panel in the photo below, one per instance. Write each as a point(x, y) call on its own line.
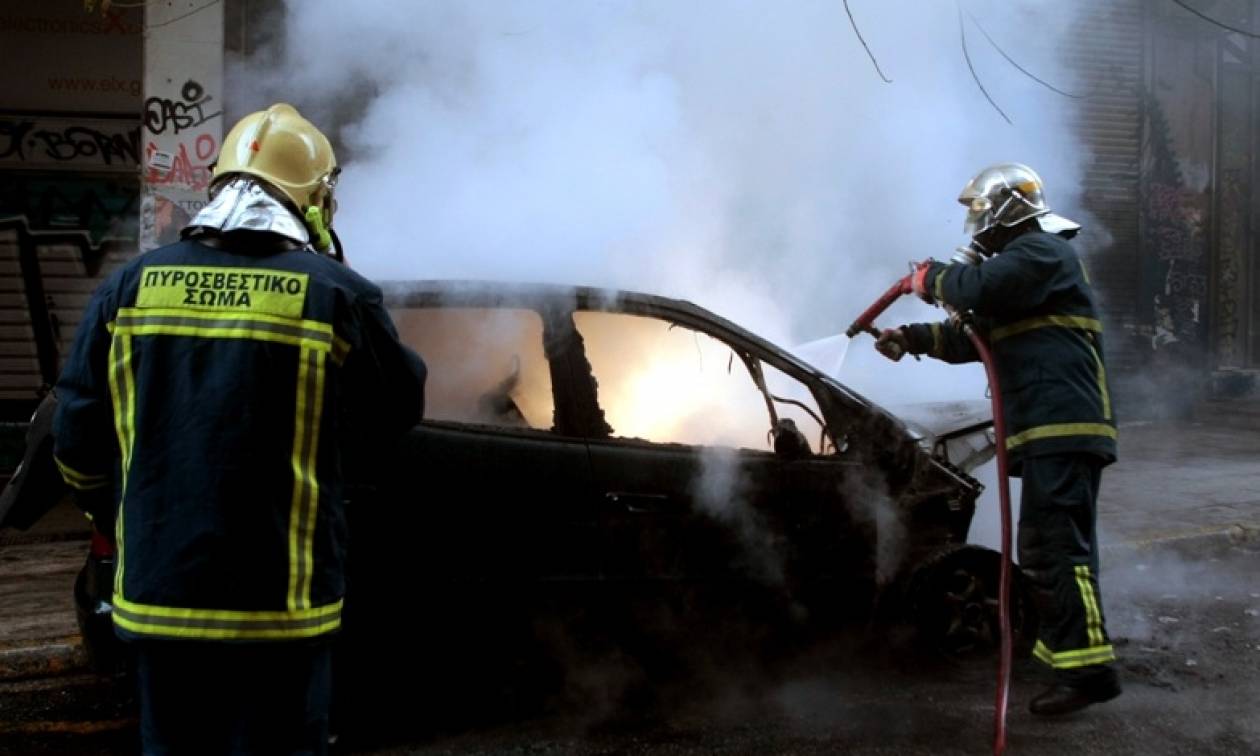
point(685, 514)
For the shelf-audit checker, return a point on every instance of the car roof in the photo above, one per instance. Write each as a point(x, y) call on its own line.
point(468, 292)
point(501, 293)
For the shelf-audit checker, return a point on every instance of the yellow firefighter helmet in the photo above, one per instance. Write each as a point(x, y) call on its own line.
point(285, 150)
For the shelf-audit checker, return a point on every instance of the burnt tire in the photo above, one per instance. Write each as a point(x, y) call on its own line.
point(953, 603)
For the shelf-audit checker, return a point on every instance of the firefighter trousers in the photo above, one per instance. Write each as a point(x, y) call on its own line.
point(200, 697)
point(1058, 553)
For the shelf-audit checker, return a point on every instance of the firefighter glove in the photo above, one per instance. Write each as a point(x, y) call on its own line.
point(893, 344)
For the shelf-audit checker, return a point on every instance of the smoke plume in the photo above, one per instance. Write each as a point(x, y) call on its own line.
point(742, 155)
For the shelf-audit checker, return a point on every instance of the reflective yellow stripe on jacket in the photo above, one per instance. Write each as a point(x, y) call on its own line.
point(1102, 383)
point(310, 393)
point(311, 334)
point(1043, 321)
point(80, 481)
point(316, 342)
point(219, 624)
point(122, 390)
point(938, 347)
point(1059, 430)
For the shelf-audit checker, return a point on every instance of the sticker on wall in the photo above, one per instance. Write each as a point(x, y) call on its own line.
point(161, 161)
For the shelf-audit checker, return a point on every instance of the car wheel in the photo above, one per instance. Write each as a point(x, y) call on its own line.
point(953, 603)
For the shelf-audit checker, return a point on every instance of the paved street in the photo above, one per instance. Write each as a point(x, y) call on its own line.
point(1178, 517)
point(1188, 636)
point(1181, 482)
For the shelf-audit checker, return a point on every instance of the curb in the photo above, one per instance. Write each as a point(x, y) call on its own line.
point(1205, 542)
point(52, 658)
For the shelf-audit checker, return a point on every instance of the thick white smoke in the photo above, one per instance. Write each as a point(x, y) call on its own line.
point(741, 154)
point(737, 153)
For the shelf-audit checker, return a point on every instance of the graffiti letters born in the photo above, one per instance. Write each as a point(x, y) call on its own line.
point(58, 142)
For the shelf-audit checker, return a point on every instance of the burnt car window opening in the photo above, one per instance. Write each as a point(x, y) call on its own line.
point(794, 401)
point(486, 365)
point(666, 383)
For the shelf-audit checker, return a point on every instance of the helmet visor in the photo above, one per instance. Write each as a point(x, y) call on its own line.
point(979, 215)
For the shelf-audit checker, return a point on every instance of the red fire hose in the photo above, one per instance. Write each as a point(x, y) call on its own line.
point(1004, 576)
point(865, 323)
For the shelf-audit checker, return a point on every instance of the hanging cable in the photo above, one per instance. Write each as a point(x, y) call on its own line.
point(870, 54)
point(1018, 67)
point(962, 30)
point(1213, 21)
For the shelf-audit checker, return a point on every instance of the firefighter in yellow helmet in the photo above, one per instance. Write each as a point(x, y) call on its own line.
point(207, 408)
point(274, 161)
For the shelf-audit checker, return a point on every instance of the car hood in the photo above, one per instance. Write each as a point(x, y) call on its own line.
point(960, 432)
point(957, 431)
point(934, 420)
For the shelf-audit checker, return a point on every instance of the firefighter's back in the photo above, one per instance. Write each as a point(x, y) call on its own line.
point(225, 372)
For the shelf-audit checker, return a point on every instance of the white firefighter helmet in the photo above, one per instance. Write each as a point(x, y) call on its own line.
point(1007, 194)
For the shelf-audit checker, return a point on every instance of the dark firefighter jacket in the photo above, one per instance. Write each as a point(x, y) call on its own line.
point(214, 394)
point(1034, 305)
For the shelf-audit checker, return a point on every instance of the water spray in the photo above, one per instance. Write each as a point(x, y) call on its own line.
point(865, 323)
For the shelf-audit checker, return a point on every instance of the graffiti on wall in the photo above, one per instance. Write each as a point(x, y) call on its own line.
point(187, 112)
point(59, 143)
point(1232, 329)
point(183, 168)
point(180, 149)
point(1176, 222)
point(181, 143)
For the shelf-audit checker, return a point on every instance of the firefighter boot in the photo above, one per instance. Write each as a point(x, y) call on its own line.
point(1090, 685)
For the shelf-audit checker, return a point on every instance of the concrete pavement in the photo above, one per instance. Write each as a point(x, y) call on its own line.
point(1181, 485)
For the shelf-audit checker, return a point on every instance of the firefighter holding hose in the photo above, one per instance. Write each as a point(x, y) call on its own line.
point(1026, 290)
point(215, 392)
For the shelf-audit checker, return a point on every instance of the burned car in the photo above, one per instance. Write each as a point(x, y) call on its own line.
point(597, 461)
